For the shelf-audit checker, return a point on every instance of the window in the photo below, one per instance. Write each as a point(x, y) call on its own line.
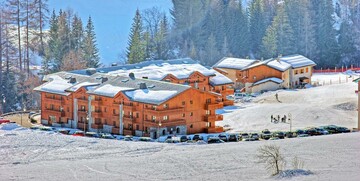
point(68, 109)
point(208, 100)
point(204, 88)
point(191, 102)
point(130, 126)
point(254, 77)
point(153, 118)
point(104, 109)
point(114, 111)
point(191, 113)
point(177, 130)
point(137, 127)
point(301, 71)
point(183, 115)
point(137, 115)
point(146, 129)
point(114, 123)
point(153, 107)
point(82, 108)
point(97, 120)
point(183, 102)
point(166, 106)
point(165, 118)
point(130, 114)
point(51, 107)
point(296, 72)
point(307, 69)
point(207, 112)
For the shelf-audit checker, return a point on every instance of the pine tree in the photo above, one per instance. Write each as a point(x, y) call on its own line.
point(53, 43)
point(212, 53)
point(91, 52)
point(346, 43)
point(163, 50)
point(136, 46)
point(325, 35)
point(257, 25)
point(77, 33)
point(269, 43)
point(63, 39)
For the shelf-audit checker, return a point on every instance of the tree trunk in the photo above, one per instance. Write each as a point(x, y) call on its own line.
point(27, 38)
point(19, 35)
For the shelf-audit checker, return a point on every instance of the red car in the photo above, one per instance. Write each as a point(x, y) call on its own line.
point(4, 121)
point(79, 133)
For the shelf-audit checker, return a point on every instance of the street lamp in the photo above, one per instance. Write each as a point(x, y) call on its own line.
point(159, 130)
point(87, 120)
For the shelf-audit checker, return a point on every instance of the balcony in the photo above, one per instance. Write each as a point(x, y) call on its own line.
point(126, 106)
point(97, 114)
point(216, 129)
point(59, 113)
point(164, 111)
point(213, 106)
point(55, 100)
point(219, 117)
point(228, 102)
point(210, 118)
point(174, 122)
point(82, 112)
point(83, 101)
point(128, 118)
point(115, 130)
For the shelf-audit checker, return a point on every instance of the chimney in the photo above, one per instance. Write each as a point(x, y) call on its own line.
point(104, 79)
point(278, 59)
point(132, 75)
point(143, 85)
point(72, 80)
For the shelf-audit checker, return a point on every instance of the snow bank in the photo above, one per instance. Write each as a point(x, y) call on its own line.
point(10, 127)
point(286, 174)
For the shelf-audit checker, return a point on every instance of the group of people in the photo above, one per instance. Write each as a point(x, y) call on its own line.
point(276, 119)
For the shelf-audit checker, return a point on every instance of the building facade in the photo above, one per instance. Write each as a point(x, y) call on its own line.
point(128, 106)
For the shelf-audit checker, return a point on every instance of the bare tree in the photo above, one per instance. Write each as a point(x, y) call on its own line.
point(73, 61)
point(271, 156)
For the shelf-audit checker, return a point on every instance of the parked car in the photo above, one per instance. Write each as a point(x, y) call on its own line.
point(312, 132)
point(145, 139)
point(215, 140)
point(46, 128)
point(233, 137)
point(31, 113)
point(343, 129)
point(332, 129)
point(197, 137)
point(255, 136)
point(64, 131)
point(265, 134)
point(92, 134)
point(171, 141)
point(301, 133)
point(128, 138)
point(278, 134)
point(4, 121)
point(244, 136)
point(79, 133)
point(35, 127)
point(183, 139)
point(290, 134)
point(107, 136)
point(223, 137)
point(322, 131)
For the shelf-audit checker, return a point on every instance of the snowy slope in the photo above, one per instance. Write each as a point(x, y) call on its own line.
point(36, 155)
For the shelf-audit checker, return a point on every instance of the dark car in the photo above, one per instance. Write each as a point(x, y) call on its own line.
point(64, 131)
point(223, 137)
point(233, 137)
point(290, 134)
point(183, 139)
point(197, 137)
point(92, 134)
point(214, 140)
point(244, 136)
point(312, 132)
point(278, 134)
point(265, 134)
point(332, 129)
point(255, 136)
point(343, 130)
point(301, 133)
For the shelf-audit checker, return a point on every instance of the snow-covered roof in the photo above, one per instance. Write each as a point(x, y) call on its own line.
point(160, 71)
point(55, 85)
point(82, 84)
point(279, 65)
point(156, 92)
point(150, 96)
point(234, 63)
point(273, 79)
point(219, 79)
point(109, 90)
point(297, 61)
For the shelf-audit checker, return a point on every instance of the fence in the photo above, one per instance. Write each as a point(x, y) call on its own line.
point(333, 80)
point(335, 70)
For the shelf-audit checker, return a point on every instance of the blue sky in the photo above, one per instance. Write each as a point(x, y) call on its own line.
point(112, 20)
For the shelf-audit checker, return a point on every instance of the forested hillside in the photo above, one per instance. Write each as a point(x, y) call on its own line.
point(326, 31)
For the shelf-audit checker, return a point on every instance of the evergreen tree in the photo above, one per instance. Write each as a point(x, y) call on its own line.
point(327, 54)
point(211, 51)
point(136, 45)
point(91, 52)
point(346, 43)
point(77, 33)
point(63, 33)
point(53, 43)
point(257, 25)
point(269, 43)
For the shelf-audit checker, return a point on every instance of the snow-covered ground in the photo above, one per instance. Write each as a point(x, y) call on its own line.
point(316, 106)
point(35, 155)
